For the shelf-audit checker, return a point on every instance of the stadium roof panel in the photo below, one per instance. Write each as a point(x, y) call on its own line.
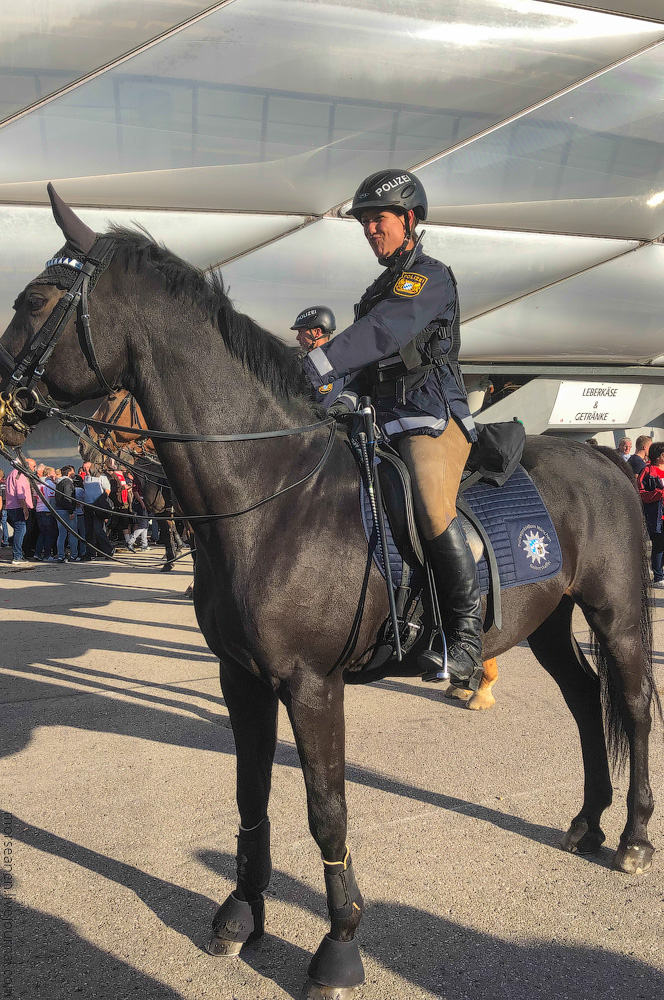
point(637, 8)
point(612, 313)
point(204, 239)
point(591, 162)
point(530, 120)
point(306, 99)
point(47, 44)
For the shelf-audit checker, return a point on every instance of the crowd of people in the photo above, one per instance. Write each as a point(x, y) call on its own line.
point(118, 515)
point(648, 466)
point(51, 521)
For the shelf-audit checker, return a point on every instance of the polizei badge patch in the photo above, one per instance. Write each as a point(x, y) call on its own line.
point(410, 283)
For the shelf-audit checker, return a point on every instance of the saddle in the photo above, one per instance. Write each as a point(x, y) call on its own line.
point(508, 528)
point(397, 492)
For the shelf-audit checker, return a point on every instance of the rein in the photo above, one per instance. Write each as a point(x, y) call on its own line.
point(146, 432)
point(28, 368)
point(200, 517)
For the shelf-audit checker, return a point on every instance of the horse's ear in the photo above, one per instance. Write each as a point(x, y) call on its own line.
point(77, 234)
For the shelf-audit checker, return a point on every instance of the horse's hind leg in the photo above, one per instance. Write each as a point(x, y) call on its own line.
point(554, 646)
point(252, 706)
point(629, 689)
point(316, 710)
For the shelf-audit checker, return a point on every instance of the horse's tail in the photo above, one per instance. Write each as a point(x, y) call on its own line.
point(612, 697)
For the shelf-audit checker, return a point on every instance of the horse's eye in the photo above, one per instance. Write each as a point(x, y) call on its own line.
point(35, 302)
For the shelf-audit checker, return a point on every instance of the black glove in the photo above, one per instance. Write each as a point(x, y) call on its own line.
point(339, 411)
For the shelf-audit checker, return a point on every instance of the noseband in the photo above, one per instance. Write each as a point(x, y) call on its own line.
point(18, 388)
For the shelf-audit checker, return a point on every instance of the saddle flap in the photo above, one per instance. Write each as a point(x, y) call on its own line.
point(398, 499)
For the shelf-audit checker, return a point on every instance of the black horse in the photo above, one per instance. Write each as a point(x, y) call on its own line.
point(171, 336)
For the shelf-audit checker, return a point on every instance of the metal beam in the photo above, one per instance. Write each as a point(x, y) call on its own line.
point(614, 373)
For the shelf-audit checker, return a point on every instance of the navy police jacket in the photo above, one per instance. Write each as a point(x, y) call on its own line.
point(397, 307)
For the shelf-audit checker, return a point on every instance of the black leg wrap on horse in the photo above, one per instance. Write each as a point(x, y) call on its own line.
point(241, 919)
point(344, 899)
point(254, 865)
point(236, 923)
point(337, 963)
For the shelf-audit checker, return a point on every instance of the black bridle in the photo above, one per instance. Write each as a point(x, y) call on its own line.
point(79, 278)
point(19, 395)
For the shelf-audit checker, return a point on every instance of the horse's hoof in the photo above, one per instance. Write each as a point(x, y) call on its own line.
point(222, 947)
point(455, 691)
point(335, 970)
point(236, 923)
point(633, 859)
point(581, 840)
point(481, 701)
point(317, 992)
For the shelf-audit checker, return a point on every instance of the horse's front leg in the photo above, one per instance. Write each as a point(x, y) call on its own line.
point(252, 707)
point(316, 710)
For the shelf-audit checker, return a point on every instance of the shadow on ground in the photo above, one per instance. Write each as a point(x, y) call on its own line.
point(52, 961)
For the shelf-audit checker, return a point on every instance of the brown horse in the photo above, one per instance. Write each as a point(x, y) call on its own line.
point(121, 409)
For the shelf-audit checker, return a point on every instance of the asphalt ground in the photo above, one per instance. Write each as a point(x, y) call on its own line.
point(118, 785)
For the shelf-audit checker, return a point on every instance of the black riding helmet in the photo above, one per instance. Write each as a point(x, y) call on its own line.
point(396, 189)
point(315, 316)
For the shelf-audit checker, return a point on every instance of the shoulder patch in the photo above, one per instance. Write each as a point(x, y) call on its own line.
point(326, 388)
point(410, 283)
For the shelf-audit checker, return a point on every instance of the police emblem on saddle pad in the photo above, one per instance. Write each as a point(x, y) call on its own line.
point(410, 283)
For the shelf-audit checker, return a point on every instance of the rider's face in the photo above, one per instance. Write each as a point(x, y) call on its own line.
point(384, 230)
point(308, 339)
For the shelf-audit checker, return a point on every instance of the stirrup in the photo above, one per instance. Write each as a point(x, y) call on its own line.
point(433, 666)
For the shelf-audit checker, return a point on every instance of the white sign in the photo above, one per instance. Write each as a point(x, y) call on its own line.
point(595, 404)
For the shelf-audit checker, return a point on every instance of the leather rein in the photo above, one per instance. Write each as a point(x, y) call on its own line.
point(19, 395)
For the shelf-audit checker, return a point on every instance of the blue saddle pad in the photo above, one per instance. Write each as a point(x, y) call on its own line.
point(517, 523)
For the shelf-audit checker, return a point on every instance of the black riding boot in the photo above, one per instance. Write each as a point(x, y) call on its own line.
point(455, 573)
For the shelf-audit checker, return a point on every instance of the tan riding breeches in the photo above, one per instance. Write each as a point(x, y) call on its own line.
point(436, 466)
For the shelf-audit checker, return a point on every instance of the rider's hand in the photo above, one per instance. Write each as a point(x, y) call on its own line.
point(339, 411)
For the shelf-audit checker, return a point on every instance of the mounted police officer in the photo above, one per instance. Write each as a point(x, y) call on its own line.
point(403, 350)
point(314, 325)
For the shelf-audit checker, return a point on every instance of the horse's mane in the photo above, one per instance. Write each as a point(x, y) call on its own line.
point(265, 355)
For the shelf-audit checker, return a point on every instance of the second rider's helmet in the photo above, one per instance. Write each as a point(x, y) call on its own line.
point(396, 189)
point(315, 316)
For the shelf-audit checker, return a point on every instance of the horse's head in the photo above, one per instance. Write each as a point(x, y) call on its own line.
point(120, 409)
point(77, 364)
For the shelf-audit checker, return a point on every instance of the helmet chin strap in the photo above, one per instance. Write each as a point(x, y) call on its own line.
point(394, 258)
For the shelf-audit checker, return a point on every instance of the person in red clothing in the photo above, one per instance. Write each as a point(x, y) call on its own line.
point(119, 526)
point(651, 490)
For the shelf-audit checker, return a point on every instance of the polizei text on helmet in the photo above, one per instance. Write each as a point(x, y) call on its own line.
point(390, 185)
